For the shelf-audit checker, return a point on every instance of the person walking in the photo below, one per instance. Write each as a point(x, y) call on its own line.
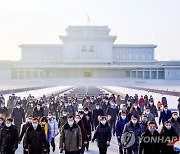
point(54, 129)
point(38, 111)
point(112, 112)
point(47, 129)
point(134, 127)
point(35, 139)
point(175, 122)
point(70, 137)
point(80, 123)
point(151, 147)
point(165, 115)
point(25, 127)
point(18, 116)
point(8, 138)
point(103, 135)
point(96, 113)
point(120, 127)
point(169, 135)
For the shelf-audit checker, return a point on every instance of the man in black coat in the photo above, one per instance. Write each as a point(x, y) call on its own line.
point(112, 112)
point(96, 113)
point(25, 127)
point(38, 111)
point(18, 116)
point(8, 138)
point(35, 139)
point(147, 143)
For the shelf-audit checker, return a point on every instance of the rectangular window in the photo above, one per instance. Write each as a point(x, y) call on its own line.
point(140, 74)
point(35, 74)
point(127, 74)
point(87, 74)
point(133, 74)
point(153, 74)
point(91, 48)
point(161, 75)
point(14, 75)
point(146, 74)
point(28, 74)
point(21, 74)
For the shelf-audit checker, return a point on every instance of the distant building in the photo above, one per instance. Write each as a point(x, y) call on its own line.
point(88, 52)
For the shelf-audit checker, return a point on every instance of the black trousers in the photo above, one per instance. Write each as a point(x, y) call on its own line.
point(53, 143)
point(102, 150)
point(18, 127)
point(112, 125)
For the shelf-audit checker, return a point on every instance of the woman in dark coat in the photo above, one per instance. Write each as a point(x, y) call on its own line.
point(169, 135)
point(79, 122)
point(88, 116)
point(103, 135)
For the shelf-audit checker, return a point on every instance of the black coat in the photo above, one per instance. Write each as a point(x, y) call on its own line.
point(148, 147)
point(38, 113)
point(170, 134)
point(18, 115)
point(97, 113)
point(23, 131)
point(113, 112)
point(9, 139)
point(86, 125)
point(35, 140)
point(4, 111)
point(102, 134)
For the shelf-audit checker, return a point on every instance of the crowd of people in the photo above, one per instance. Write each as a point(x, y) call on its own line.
point(37, 122)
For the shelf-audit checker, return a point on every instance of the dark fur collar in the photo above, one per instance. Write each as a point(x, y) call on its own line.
point(66, 126)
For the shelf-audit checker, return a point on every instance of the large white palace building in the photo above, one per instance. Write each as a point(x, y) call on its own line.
point(88, 52)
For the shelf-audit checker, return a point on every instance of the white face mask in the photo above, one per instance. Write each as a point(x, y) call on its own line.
point(49, 117)
point(175, 116)
point(165, 109)
point(18, 107)
point(134, 121)
point(70, 123)
point(135, 107)
point(81, 116)
point(64, 114)
point(77, 120)
point(43, 123)
point(86, 112)
point(123, 117)
point(103, 122)
point(97, 107)
point(38, 107)
point(147, 112)
point(8, 125)
point(151, 103)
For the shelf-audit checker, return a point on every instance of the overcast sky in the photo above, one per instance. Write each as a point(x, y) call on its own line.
point(133, 21)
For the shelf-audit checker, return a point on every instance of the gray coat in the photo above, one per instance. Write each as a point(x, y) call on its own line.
point(70, 138)
point(175, 125)
point(18, 115)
